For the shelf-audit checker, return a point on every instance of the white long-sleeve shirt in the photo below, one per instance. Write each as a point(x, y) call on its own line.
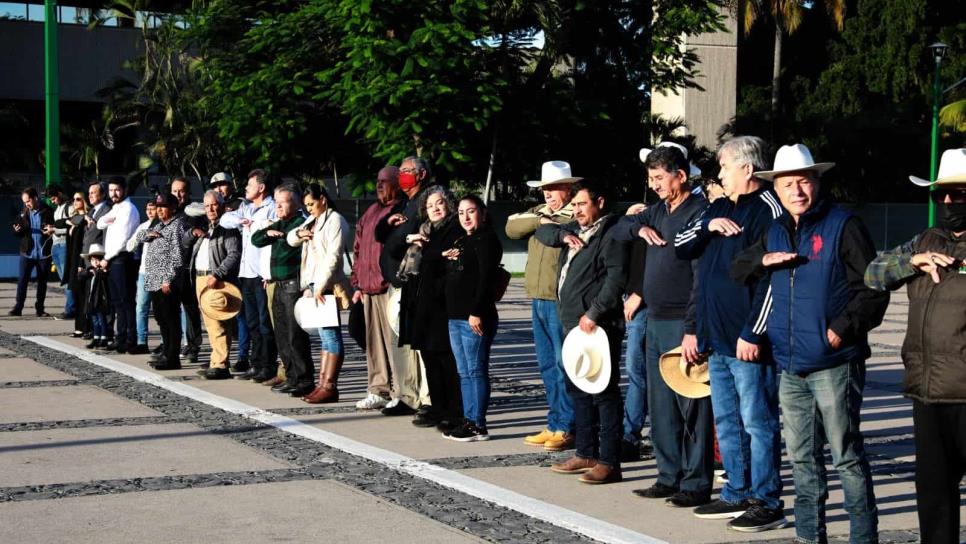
point(254, 260)
point(119, 226)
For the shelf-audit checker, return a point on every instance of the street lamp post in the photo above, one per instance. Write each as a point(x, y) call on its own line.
point(51, 94)
point(938, 52)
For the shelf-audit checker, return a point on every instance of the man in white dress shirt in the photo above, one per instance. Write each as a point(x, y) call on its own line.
point(119, 225)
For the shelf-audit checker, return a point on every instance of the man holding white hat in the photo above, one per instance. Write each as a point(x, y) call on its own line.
point(590, 287)
point(815, 257)
point(932, 266)
point(540, 280)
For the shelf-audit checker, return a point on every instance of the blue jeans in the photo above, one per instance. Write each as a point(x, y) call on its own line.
point(59, 254)
point(142, 307)
point(635, 404)
point(819, 407)
point(745, 401)
point(682, 429)
point(27, 266)
point(598, 416)
point(244, 341)
point(331, 340)
point(98, 325)
point(548, 341)
point(472, 353)
point(264, 350)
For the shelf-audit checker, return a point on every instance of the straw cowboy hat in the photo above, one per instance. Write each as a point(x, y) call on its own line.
point(952, 169)
point(695, 171)
point(586, 359)
point(794, 158)
point(691, 380)
point(554, 172)
point(221, 303)
point(220, 178)
point(96, 250)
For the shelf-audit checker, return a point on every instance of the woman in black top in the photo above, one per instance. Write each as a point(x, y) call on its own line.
point(76, 225)
point(471, 309)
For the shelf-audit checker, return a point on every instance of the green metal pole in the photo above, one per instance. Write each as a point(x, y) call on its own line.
point(52, 93)
point(934, 147)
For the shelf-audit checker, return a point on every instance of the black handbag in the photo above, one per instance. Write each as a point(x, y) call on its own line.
point(357, 319)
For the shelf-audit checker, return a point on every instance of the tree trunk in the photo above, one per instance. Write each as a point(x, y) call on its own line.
point(335, 174)
point(776, 73)
point(489, 172)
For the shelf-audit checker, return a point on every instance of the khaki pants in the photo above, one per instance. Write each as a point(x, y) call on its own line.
point(219, 332)
point(408, 376)
point(270, 294)
point(380, 347)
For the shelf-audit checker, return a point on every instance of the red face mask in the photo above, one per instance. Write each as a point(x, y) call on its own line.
point(407, 180)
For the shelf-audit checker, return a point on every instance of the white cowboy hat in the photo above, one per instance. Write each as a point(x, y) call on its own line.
point(220, 304)
point(793, 158)
point(695, 171)
point(553, 172)
point(586, 359)
point(96, 250)
point(952, 169)
point(311, 315)
point(691, 380)
point(220, 177)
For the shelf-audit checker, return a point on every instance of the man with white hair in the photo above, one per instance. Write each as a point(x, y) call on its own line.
point(730, 324)
point(815, 258)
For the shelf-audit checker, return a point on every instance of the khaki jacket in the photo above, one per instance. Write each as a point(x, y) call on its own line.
point(540, 278)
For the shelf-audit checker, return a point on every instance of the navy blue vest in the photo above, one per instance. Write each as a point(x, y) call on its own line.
point(808, 297)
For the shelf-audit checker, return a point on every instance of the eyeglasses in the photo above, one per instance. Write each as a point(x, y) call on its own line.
point(956, 196)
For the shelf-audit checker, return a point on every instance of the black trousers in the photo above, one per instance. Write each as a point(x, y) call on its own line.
point(79, 288)
point(167, 312)
point(444, 383)
point(122, 278)
point(293, 342)
point(940, 463)
point(599, 418)
point(189, 301)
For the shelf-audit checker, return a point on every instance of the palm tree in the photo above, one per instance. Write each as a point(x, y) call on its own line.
point(787, 16)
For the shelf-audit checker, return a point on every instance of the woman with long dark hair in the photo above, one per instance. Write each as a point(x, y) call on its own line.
point(471, 308)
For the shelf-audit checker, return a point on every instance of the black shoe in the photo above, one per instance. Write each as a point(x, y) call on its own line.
point(759, 518)
point(185, 350)
point(264, 375)
point(425, 409)
point(164, 365)
point(656, 491)
point(138, 349)
point(284, 388)
point(191, 357)
point(155, 357)
point(205, 366)
point(647, 448)
point(425, 420)
point(64, 315)
point(113, 346)
point(468, 432)
point(447, 426)
point(630, 452)
point(158, 349)
point(41, 313)
point(217, 374)
point(241, 366)
point(398, 409)
point(719, 509)
point(122, 348)
point(93, 344)
point(302, 390)
point(88, 336)
point(688, 499)
point(15, 312)
point(247, 375)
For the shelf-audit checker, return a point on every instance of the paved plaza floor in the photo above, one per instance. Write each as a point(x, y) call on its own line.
point(102, 448)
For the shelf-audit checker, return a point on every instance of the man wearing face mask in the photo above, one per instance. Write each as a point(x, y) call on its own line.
point(932, 266)
point(391, 231)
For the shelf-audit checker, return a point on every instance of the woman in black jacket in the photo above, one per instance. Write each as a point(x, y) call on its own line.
point(471, 308)
point(424, 325)
point(76, 224)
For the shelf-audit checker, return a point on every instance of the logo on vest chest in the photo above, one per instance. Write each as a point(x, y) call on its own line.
point(816, 250)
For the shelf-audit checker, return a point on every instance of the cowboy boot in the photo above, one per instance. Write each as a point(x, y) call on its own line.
point(328, 389)
point(318, 388)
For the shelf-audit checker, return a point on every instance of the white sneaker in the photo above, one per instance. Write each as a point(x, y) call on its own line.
point(371, 402)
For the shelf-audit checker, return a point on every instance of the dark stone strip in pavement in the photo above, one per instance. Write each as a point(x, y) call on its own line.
point(44, 383)
point(311, 410)
point(84, 423)
point(459, 510)
point(161, 483)
point(537, 459)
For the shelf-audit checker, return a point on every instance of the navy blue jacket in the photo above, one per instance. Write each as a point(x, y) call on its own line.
point(727, 309)
point(823, 290)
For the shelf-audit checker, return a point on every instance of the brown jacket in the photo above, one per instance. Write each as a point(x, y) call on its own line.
point(540, 278)
point(934, 351)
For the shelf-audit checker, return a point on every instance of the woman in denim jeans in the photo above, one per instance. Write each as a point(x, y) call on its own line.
point(471, 309)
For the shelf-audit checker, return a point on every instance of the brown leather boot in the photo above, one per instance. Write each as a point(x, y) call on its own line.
point(318, 388)
point(602, 474)
point(574, 465)
point(328, 390)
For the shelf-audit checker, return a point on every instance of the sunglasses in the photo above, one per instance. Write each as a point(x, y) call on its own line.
point(956, 196)
point(78, 200)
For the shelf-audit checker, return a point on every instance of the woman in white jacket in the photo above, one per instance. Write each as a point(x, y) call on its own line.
point(324, 238)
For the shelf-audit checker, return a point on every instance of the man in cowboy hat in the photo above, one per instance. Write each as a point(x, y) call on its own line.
point(590, 285)
point(215, 260)
point(730, 323)
point(412, 391)
point(681, 429)
point(222, 183)
point(540, 280)
point(933, 266)
point(815, 257)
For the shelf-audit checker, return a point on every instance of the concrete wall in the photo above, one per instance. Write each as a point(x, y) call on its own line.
point(705, 111)
point(89, 59)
